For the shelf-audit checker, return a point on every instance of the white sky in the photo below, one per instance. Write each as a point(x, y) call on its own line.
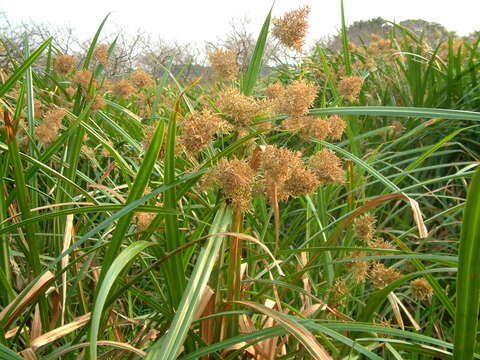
point(207, 20)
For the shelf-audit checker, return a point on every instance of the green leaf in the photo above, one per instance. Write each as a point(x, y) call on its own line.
point(22, 68)
point(120, 263)
point(255, 65)
point(468, 276)
point(398, 111)
point(168, 347)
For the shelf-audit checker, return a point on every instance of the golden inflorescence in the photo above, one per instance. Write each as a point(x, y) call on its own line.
point(101, 54)
point(364, 227)
point(350, 86)
point(199, 129)
point(421, 289)
point(47, 131)
point(292, 28)
point(224, 63)
point(381, 276)
point(63, 64)
point(236, 179)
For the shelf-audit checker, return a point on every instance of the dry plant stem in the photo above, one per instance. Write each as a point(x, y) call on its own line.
point(276, 213)
point(234, 273)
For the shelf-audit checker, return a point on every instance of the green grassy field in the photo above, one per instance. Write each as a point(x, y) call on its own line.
point(327, 210)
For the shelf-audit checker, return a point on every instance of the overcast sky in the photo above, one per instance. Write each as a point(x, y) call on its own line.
point(207, 20)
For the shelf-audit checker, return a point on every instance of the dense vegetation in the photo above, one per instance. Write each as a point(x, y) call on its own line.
point(328, 210)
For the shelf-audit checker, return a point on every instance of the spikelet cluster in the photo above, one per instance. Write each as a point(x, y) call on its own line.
point(63, 64)
point(397, 128)
point(292, 27)
point(327, 167)
point(38, 108)
point(123, 89)
point(350, 86)
point(336, 126)
point(140, 79)
point(224, 63)
point(238, 108)
point(97, 103)
point(82, 77)
point(295, 99)
point(379, 46)
point(70, 91)
point(48, 130)
point(421, 289)
point(358, 268)
point(236, 179)
point(380, 243)
point(199, 129)
point(285, 173)
point(381, 276)
point(101, 54)
point(338, 293)
point(364, 227)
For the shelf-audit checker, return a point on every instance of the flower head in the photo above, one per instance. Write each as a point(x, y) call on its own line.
point(238, 108)
point(123, 89)
point(421, 289)
point(292, 27)
point(295, 99)
point(236, 178)
point(224, 63)
point(48, 130)
point(199, 129)
point(350, 86)
point(63, 64)
point(382, 276)
point(140, 79)
point(364, 227)
point(83, 77)
point(101, 54)
point(327, 167)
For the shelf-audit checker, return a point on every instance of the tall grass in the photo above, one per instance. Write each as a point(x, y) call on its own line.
point(115, 244)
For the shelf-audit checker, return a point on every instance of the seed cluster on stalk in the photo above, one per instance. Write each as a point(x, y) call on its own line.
point(199, 129)
point(47, 131)
point(224, 63)
point(291, 28)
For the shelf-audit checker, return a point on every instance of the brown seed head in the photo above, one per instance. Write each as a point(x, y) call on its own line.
point(359, 268)
point(382, 276)
point(98, 103)
point(296, 99)
point(364, 227)
point(82, 77)
point(48, 130)
point(397, 128)
point(63, 64)
point(101, 54)
point(338, 293)
point(337, 127)
point(292, 27)
point(38, 110)
point(235, 178)
point(302, 181)
point(275, 90)
point(70, 91)
point(140, 79)
point(123, 89)
point(327, 167)
point(421, 289)
point(224, 63)
point(278, 164)
point(239, 109)
point(199, 129)
point(350, 86)
point(379, 243)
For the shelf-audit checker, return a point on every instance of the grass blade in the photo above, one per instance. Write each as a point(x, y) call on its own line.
point(468, 276)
